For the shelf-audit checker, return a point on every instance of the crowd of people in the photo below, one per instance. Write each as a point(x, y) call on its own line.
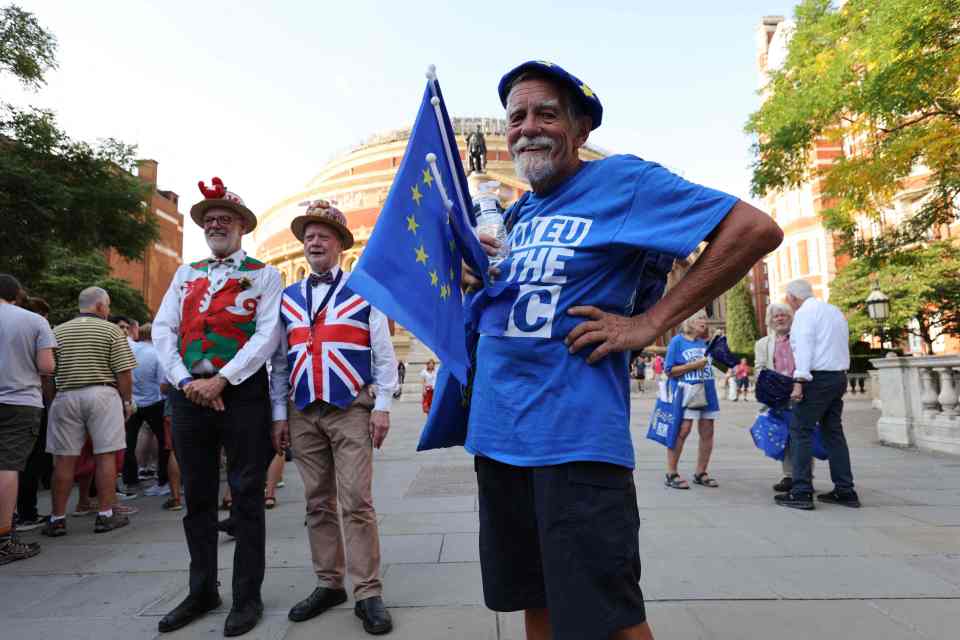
point(236, 366)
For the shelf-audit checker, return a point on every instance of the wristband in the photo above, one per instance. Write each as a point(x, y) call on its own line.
point(183, 382)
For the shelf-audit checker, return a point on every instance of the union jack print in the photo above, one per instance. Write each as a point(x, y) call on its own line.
point(329, 361)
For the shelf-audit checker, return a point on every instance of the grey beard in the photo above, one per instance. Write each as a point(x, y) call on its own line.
point(534, 170)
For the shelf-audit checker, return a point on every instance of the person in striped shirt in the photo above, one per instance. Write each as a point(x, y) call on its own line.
point(94, 382)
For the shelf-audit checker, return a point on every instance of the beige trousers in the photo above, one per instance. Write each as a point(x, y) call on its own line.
point(334, 451)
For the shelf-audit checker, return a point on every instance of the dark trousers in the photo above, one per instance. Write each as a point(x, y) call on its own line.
point(39, 467)
point(243, 431)
point(822, 402)
point(152, 414)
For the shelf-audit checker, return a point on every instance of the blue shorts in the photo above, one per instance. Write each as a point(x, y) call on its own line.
point(564, 537)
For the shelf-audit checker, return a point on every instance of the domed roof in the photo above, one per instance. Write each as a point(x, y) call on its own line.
point(358, 179)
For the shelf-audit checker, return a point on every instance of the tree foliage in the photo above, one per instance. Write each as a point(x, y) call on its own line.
point(883, 75)
point(69, 273)
point(741, 319)
point(57, 193)
point(923, 286)
point(27, 50)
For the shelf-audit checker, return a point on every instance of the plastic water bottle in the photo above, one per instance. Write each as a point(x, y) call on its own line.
point(490, 218)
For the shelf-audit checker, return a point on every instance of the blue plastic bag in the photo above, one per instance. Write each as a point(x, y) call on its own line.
point(666, 418)
point(771, 434)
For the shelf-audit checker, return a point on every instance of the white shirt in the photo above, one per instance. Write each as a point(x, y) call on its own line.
point(384, 369)
point(429, 377)
point(265, 287)
point(820, 339)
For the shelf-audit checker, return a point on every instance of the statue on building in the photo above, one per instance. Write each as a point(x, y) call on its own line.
point(477, 151)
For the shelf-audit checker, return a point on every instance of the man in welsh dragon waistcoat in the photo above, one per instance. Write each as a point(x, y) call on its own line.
point(333, 377)
point(214, 332)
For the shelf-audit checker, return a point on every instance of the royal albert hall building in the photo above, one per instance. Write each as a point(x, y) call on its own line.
point(358, 181)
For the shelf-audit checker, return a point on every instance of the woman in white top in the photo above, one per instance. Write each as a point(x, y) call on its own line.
point(429, 377)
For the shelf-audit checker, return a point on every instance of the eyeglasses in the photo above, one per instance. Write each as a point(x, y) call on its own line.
point(223, 221)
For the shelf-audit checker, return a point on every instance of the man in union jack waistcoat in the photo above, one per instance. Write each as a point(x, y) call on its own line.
point(214, 331)
point(333, 377)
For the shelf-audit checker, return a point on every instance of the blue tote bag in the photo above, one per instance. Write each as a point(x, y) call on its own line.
point(666, 418)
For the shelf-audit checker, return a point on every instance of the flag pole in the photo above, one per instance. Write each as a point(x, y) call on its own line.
point(431, 159)
point(447, 148)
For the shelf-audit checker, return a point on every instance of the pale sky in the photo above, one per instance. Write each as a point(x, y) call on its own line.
point(263, 94)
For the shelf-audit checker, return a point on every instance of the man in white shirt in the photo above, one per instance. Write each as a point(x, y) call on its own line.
point(214, 332)
point(819, 338)
point(333, 377)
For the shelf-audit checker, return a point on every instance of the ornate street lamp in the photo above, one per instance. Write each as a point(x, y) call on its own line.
point(878, 308)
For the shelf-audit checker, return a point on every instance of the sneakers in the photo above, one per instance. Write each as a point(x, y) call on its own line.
point(158, 490)
point(125, 509)
point(784, 486)
point(116, 521)
point(55, 528)
point(172, 504)
point(126, 494)
point(793, 500)
point(11, 549)
point(30, 524)
point(846, 498)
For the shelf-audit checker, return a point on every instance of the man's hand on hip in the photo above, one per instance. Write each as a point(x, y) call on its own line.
point(280, 435)
point(613, 332)
point(379, 426)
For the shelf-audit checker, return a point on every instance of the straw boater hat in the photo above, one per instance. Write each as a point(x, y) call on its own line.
point(323, 212)
point(217, 196)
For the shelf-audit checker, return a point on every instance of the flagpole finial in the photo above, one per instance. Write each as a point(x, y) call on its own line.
point(435, 101)
point(432, 72)
point(431, 157)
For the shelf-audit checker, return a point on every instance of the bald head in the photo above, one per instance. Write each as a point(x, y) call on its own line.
point(94, 300)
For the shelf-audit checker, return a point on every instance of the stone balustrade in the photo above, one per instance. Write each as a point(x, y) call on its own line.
point(920, 403)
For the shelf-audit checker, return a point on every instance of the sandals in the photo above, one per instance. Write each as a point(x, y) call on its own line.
point(705, 480)
point(674, 481)
point(269, 502)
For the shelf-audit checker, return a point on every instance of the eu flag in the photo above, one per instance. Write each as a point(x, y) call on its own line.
point(410, 268)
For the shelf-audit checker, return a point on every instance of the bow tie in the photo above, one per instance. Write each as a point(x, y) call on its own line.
point(318, 278)
point(226, 262)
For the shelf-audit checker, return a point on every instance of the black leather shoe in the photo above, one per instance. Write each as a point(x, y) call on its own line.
point(846, 498)
point(187, 611)
point(376, 619)
point(795, 500)
point(784, 486)
point(226, 526)
point(316, 603)
point(243, 618)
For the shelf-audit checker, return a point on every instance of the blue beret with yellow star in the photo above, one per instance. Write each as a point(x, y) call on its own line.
point(588, 99)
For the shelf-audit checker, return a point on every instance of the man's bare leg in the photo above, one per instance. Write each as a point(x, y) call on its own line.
point(62, 483)
point(106, 477)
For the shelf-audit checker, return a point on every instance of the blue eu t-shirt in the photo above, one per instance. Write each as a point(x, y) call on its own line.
point(533, 402)
point(682, 351)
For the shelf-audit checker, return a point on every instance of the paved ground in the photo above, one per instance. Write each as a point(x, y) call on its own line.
point(717, 563)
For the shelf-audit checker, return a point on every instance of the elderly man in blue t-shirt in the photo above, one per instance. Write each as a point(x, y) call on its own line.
point(550, 414)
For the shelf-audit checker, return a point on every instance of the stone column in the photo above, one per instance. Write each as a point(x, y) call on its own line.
point(895, 426)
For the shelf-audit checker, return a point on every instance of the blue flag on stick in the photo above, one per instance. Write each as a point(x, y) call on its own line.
point(410, 268)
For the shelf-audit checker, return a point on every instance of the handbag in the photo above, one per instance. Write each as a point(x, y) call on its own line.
point(694, 395)
point(770, 433)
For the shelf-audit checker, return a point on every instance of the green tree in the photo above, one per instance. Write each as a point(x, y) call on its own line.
point(885, 74)
point(741, 319)
point(56, 192)
point(69, 273)
point(27, 50)
point(923, 286)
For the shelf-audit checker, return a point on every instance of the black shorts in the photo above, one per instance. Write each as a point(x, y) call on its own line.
point(564, 537)
point(743, 383)
point(19, 428)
